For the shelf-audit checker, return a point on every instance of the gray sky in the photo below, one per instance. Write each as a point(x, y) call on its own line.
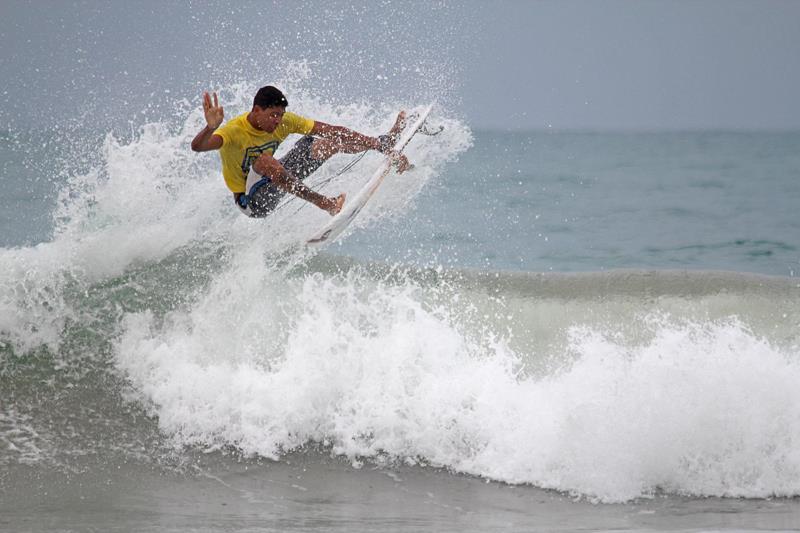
point(594, 64)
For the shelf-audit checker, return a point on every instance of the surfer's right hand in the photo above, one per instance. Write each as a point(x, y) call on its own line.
point(336, 204)
point(213, 111)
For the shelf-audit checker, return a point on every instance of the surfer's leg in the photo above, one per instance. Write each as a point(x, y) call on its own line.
point(300, 161)
point(261, 198)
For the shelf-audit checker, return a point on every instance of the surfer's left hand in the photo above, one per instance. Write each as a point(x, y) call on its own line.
point(400, 161)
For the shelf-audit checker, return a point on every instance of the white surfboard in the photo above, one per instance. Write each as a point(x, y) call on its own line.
point(352, 207)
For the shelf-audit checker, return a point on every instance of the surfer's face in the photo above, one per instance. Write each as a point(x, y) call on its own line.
point(267, 118)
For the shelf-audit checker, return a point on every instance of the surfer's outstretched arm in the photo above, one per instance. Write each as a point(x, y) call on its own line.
point(294, 186)
point(268, 166)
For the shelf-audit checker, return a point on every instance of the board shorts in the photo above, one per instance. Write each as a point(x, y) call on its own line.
point(262, 195)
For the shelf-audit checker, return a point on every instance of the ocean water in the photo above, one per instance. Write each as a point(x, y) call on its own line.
point(529, 330)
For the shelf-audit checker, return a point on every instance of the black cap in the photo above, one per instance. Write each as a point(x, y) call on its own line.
point(269, 96)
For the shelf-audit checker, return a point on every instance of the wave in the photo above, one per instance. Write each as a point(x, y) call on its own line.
point(157, 297)
point(610, 408)
point(606, 385)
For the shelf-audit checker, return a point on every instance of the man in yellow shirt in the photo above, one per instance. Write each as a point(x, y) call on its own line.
point(247, 145)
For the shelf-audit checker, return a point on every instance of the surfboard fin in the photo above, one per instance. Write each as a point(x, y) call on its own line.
point(425, 131)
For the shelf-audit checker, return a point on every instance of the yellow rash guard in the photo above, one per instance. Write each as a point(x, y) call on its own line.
point(242, 144)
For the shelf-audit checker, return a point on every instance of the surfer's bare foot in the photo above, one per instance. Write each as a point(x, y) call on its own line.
point(336, 204)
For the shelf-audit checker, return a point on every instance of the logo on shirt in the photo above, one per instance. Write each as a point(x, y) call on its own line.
point(253, 153)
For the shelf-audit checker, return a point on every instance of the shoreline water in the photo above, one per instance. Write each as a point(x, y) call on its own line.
point(311, 491)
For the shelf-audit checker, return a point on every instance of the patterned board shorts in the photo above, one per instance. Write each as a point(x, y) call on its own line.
point(262, 195)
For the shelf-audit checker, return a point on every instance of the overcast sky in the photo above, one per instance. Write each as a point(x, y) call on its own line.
point(593, 64)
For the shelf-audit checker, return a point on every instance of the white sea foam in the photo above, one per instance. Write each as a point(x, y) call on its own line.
point(380, 372)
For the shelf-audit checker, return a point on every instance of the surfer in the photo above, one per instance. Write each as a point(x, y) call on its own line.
point(247, 144)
